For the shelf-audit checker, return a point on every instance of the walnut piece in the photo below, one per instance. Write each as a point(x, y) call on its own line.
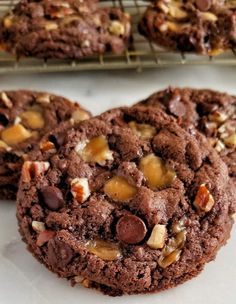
point(6, 100)
point(50, 26)
point(145, 131)
point(95, 150)
point(118, 189)
point(79, 115)
point(43, 98)
point(172, 250)
point(15, 135)
point(47, 146)
point(230, 141)
point(103, 249)
point(155, 171)
point(176, 12)
point(204, 201)
point(218, 117)
point(116, 28)
point(80, 189)
point(33, 119)
point(32, 169)
point(158, 237)
point(44, 237)
point(4, 146)
point(208, 16)
point(38, 226)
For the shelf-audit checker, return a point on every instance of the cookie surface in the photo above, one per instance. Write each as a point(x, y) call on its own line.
point(202, 26)
point(211, 112)
point(63, 29)
point(25, 117)
point(130, 203)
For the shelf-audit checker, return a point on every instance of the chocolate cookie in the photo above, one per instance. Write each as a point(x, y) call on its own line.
point(202, 26)
point(25, 117)
point(130, 203)
point(63, 29)
point(213, 113)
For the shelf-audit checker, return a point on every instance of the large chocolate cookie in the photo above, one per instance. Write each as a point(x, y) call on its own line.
point(130, 203)
point(202, 26)
point(63, 29)
point(211, 112)
point(25, 117)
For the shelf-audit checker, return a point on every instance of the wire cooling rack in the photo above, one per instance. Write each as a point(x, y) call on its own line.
point(140, 55)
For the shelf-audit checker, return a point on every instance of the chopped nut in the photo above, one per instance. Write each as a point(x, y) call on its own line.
point(218, 117)
point(69, 19)
point(208, 16)
point(33, 119)
point(162, 6)
point(79, 115)
point(33, 169)
point(163, 27)
point(51, 26)
point(116, 28)
point(17, 120)
point(179, 226)
point(62, 12)
point(80, 189)
point(86, 43)
point(47, 146)
point(165, 261)
point(230, 141)
point(158, 237)
point(177, 12)
point(95, 150)
point(44, 237)
point(119, 189)
point(204, 201)
point(3, 145)
point(103, 249)
point(172, 250)
point(86, 283)
point(38, 226)
point(15, 135)
point(145, 131)
point(43, 98)
point(62, 4)
point(219, 146)
point(6, 100)
point(155, 171)
point(78, 279)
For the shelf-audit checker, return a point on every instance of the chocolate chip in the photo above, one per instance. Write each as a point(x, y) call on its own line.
point(59, 253)
point(203, 5)
point(4, 119)
point(175, 106)
point(204, 108)
point(52, 197)
point(131, 229)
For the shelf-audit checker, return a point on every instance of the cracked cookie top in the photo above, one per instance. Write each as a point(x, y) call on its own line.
point(129, 203)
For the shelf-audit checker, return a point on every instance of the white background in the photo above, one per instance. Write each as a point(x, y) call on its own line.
point(22, 279)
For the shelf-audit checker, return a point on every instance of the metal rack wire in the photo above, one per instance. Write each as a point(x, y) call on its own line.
point(141, 55)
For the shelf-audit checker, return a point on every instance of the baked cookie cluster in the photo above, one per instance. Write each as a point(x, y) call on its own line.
point(201, 26)
point(135, 200)
point(25, 117)
point(74, 29)
point(60, 29)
